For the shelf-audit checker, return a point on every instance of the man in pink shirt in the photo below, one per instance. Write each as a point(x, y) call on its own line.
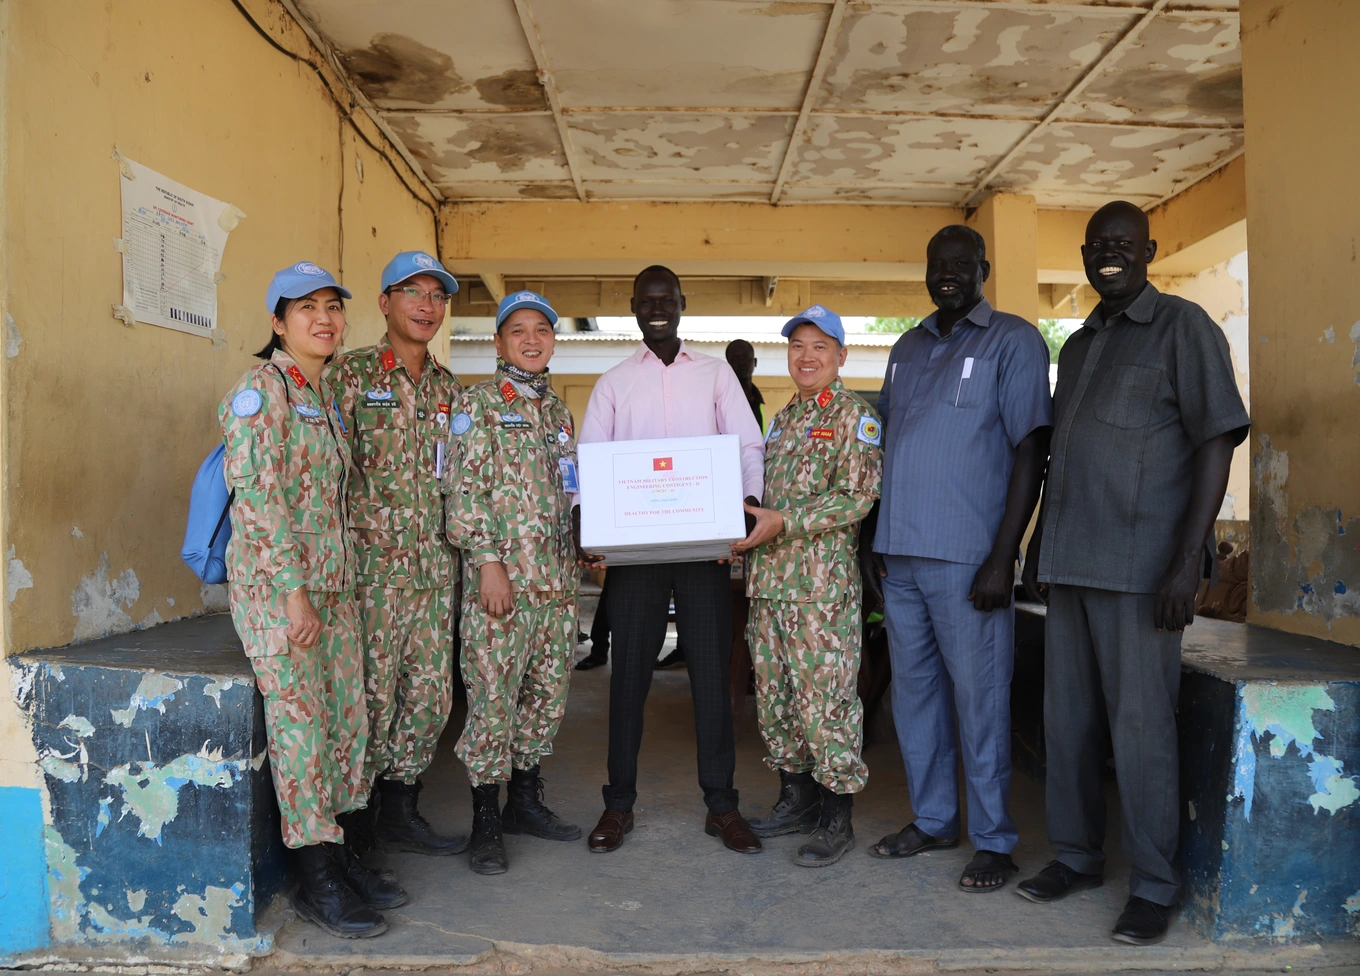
point(666, 389)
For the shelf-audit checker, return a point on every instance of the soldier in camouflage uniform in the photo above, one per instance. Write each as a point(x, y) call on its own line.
point(823, 473)
point(291, 580)
point(512, 466)
point(395, 401)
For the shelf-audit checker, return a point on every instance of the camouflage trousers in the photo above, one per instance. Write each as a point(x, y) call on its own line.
point(313, 709)
point(516, 669)
point(806, 661)
point(408, 677)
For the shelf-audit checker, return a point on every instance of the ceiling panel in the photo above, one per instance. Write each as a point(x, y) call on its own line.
point(508, 190)
point(1181, 70)
point(483, 147)
point(679, 147)
point(681, 53)
point(1116, 161)
point(432, 53)
point(850, 149)
point(868, 193)
point(1005, 62)
point(625, 190)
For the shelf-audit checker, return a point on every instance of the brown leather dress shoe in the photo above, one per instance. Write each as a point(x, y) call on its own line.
point(735, 832)
point(608, 833)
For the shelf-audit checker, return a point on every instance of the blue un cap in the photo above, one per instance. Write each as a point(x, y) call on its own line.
point(408, 264)
point(297, 280)
point(524, 299)
point(820, 316)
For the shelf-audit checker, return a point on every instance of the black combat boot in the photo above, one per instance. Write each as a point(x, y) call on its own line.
point(400, 823)
point(797, 811)
point(834, 835)
point(361, 829)
point(526, 813)
point(488, 845)
point(324, 897)
point(377, 889)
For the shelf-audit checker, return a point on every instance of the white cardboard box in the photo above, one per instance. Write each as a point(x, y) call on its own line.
point(669, 500)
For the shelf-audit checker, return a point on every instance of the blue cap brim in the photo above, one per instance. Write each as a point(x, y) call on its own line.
point(449, 282)
point(299, 291)
point(536, 306)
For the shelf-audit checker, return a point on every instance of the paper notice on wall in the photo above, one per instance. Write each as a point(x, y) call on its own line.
point(172, 249)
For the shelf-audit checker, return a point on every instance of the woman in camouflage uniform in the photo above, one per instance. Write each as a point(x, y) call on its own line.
point(291, 580)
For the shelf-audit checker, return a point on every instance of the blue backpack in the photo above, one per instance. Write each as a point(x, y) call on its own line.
point(209, 527)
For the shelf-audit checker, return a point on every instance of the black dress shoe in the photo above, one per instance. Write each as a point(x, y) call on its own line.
point(1143, 922)
point(1056, 881)
point(675, 657)
point(592, 661)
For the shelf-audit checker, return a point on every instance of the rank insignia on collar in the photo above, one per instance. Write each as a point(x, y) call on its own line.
point(825, 397)
point(296, 375)
point(509, 392)
point(389, 359)
point(821, 433)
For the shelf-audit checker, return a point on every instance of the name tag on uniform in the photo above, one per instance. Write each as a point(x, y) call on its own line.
point(570, 483)
point(380, 398)
point(515, 421)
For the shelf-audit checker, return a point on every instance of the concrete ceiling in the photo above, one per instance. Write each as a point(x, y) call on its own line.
point(887, 101)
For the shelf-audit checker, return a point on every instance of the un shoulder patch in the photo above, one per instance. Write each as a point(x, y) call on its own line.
point(247, 403)
point(869, 431)
point(460, 424)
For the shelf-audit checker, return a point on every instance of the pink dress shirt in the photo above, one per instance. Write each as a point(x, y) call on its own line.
point(695, 396)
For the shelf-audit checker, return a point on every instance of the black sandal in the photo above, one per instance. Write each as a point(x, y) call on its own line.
point(908, 841)
point(985, 863)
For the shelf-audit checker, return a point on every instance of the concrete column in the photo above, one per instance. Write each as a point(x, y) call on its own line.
point(1302, 217)
point(1009, 222)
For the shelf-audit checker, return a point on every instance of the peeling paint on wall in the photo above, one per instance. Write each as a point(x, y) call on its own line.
point(16, 576)
point(1285, 713)
point(12, 337)
point(152, 793)
point(67, 902)
point(209, 914)
point(98, 603)
point(153, 691)
point(214, 597)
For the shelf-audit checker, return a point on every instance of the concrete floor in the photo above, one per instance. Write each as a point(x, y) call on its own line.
point(675, 898)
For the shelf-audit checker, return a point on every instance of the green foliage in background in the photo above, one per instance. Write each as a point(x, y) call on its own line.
point(892, 325)
point(1055, 334)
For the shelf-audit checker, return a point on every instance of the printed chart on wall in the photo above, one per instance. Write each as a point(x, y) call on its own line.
point(173, 238)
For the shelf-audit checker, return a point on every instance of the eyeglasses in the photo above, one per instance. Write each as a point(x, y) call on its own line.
point(419, 295)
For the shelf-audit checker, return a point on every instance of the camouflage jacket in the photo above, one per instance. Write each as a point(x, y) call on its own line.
point(823, 470)
point(504, 497)
point(287, 462)
point(395, 428)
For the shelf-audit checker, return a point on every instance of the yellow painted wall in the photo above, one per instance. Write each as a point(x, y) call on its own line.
point(106, 424)
point(1302, 220)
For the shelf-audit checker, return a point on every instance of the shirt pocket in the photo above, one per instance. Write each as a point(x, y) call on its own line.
point(1127, 395)
point(975, 389)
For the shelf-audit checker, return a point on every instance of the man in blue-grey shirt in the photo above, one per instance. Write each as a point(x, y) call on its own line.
point(967, 416)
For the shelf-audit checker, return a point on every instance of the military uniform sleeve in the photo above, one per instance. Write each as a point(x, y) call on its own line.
point(254, 470)
point(855, 481)
point(469, 478)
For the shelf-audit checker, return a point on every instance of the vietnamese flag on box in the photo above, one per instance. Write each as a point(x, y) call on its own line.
point(662, 464)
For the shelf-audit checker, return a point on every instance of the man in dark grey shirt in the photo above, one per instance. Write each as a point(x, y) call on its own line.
point(1147, 414)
